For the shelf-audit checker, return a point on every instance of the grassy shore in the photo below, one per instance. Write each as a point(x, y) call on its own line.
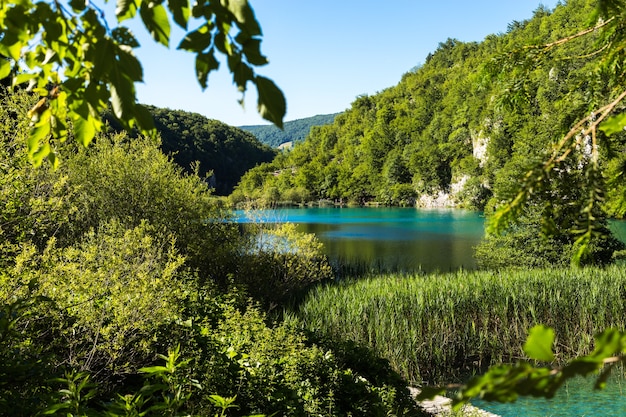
point(437, 328)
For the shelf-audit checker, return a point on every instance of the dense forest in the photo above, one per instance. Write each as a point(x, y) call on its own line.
point(293, 131)
point(209, 148)
point(455, 131)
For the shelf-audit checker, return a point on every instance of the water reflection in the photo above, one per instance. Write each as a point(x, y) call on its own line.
point(401, 239)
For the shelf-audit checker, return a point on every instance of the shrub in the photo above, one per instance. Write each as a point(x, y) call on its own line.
point(279, 262)
point(131, 181)
point(111, 291)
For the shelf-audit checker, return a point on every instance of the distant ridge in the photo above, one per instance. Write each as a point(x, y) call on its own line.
point(295, 130)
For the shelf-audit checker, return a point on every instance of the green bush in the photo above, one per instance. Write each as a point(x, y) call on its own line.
point(132, 181)
point(274, 369)
point(279, 262)
point(111, 291)
point(32, 201)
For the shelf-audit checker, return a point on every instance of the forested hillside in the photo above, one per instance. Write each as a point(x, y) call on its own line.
point(223, 153)
point(458, 130)
point(294, 131)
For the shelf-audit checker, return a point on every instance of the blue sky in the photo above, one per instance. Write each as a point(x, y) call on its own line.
point(325, 53)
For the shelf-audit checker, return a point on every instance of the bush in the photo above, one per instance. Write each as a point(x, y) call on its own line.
point(131, 181)
point(110, 292)
point(279, 262)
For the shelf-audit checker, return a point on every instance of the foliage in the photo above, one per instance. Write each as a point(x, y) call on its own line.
point(440, 328)
point(294, 131)
point(32, 202)
point(277, 371)
point(279, 263)
point(128, 257)
point(505, 383)
point(131, 181)
point(587, 144)
point(523, 245)
point(110, 291)
point(223, 153)
point(68, 55)
point(453, 124)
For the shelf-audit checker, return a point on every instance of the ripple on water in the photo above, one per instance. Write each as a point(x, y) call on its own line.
point(575, 399)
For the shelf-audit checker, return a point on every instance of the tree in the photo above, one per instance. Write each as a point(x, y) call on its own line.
point(68, 55)
point(587, 141)
point(582, 147)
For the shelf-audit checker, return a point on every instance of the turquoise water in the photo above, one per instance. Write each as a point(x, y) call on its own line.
point(402, 239)
point(576, 399)
point(436, 240)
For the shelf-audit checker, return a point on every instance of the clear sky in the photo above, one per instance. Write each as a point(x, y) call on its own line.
point(325, 53)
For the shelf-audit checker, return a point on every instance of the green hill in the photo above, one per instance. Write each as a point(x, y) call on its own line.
point(223, 153)
point(294, 131)
point(458, 130)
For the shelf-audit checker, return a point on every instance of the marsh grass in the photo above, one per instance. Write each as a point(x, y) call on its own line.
point(436, 328)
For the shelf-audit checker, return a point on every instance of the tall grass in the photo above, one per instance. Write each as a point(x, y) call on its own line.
point(437, 328)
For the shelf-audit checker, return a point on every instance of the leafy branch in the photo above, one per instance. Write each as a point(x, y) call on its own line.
point(80, 66)
point(505, 383)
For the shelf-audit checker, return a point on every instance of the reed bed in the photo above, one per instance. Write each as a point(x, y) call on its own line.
point(440, 328)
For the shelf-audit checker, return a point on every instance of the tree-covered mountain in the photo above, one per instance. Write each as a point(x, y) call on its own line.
point(222, 152)
point(458, 130)
point(293, 131)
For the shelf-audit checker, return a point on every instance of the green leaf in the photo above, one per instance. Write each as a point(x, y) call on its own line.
point(123, 36)
point(144, 119)
point(242, 73)
point(538, 346)
point(153, 369)
point(205, 63)
point(198, 40)
point(181, 11)
point(252, 50)
point(155, 19)
point(78, 5)
point(244, 14)
point(126, 9)
point(84, 129)
point(129, 65)
point(271, 103)
point(614, 124)
point(5, 68)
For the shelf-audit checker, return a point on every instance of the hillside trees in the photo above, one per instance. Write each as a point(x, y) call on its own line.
point(223, 153)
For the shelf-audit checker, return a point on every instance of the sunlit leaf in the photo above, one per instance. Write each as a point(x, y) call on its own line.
point(155, 19)
point(84, 129)
point(614, 124)
point(244, 14)
point(197, 40)
point(126, 9)
point(5, 68)
point(538, 346)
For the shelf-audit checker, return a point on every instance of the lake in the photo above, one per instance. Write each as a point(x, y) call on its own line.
point(399, 239)
point(409, 239)
point(576, 398)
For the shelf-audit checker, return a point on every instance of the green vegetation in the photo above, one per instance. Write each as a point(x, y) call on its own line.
point(118, 254)
point(441, 328)
point(118, 257)
point(205, 147)
point(80, 63)
point(470, 120)
point(294, 131)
